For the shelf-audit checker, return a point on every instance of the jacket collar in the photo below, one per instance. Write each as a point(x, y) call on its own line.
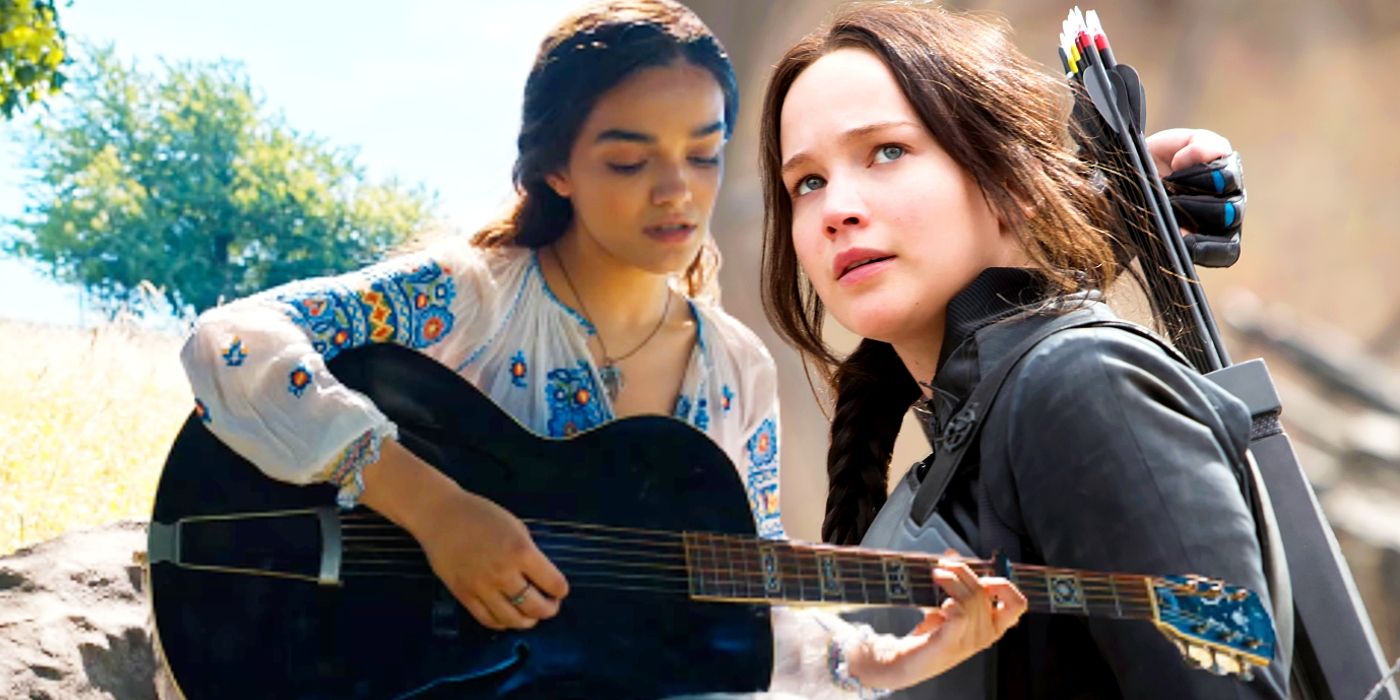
point(996, 294)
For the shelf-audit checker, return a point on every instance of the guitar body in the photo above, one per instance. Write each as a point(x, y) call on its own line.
point(226, 633)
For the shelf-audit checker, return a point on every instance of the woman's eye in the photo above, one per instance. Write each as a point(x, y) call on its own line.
point(888, 152)
point(627, 168)
point(808, 184)
point(707, 161)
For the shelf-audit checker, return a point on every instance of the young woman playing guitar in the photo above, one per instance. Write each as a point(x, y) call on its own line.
point(587, 304)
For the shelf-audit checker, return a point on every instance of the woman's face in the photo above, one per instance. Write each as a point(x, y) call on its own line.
point(644, 171)
point(885, 223)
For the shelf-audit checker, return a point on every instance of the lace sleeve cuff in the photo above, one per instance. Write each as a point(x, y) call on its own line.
point(347, 471)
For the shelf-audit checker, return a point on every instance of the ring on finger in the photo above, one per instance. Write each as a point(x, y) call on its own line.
point(519, 598)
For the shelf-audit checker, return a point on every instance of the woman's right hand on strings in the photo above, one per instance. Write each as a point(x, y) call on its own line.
point(976, 613)
point(481, 552)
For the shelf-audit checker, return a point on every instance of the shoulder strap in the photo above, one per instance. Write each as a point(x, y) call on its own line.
point(964, 427)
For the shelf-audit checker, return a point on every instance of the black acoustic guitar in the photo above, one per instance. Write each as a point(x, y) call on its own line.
point(261, 589)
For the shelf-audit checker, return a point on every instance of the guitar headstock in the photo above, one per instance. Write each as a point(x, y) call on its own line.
point(1217, 627)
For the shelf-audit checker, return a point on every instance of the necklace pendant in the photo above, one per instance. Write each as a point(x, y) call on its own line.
point(612, 380)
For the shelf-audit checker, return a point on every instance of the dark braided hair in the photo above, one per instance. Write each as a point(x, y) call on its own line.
point(873, 390)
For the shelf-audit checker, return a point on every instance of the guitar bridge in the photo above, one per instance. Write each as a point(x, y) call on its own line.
point(253, 544)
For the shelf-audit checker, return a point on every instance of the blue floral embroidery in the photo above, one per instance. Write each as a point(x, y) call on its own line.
point(298, 380)
point(763, 501)
point(409, 307)
point(763, 445)
point(202, 411)
point(702, 416)
point(519, 370)
point(726, 401)
point(683, 407)
point(573, 400)
point(234, 355)
point(762, 479)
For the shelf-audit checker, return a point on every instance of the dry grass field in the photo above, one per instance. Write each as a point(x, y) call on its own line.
point(86, 418)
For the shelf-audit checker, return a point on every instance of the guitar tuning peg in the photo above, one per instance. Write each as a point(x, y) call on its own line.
point(1199, 656)
point(1228, 664)
point(1215, 666)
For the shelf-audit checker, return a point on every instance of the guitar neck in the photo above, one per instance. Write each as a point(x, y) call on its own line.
point(741, 569)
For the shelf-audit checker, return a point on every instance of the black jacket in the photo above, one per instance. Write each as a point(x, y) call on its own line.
point(1103, 452)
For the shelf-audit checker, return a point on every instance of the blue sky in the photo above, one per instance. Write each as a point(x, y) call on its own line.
point(428, 91)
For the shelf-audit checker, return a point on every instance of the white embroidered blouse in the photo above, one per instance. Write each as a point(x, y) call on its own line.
point(257, 368)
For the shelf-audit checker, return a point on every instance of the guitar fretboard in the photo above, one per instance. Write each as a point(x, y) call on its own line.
point(728, 568)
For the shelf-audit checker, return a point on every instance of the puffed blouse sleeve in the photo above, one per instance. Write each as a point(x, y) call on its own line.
point(257, 365)
point(759, 461)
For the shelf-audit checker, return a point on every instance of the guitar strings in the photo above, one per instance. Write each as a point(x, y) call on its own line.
point(674, 560)
point(746, 591)
point(680, 585)
point(743, 576)
point(653, 544)
point(753, 589)
point(742, 543)
point(1090, 583)
point(681, 588)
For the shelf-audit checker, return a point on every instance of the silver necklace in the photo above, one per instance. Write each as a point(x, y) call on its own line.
point(609, 371)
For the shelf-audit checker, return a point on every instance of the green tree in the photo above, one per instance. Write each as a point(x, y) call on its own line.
point(182, 180)
point(31, 53)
